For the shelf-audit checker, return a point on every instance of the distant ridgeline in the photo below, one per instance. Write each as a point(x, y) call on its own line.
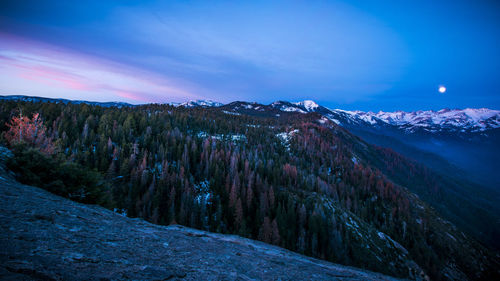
point(63, 101)
point(289, 178)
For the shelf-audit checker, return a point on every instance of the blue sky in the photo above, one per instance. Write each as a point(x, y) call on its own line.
point(366, 55)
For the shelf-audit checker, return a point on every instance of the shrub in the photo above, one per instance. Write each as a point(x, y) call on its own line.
point(30, 131)
point(56, 175)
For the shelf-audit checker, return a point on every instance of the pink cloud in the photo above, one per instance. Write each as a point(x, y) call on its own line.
point(32, 67)
point(54, 77)
point(132, 96)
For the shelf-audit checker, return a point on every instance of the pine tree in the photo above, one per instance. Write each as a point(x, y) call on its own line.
point(238, 214)
point(275, 234)
point(266, 232)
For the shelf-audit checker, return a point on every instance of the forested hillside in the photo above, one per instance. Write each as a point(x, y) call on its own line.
point(77, 237)
point(295, 180)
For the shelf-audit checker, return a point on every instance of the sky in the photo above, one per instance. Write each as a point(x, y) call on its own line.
point(355, 55)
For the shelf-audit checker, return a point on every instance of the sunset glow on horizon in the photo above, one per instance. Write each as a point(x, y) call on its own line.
point(45, 70)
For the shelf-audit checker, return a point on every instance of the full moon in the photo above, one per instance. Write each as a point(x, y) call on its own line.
point(442, 89)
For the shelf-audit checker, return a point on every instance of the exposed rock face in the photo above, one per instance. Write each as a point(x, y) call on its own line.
point(46, 237)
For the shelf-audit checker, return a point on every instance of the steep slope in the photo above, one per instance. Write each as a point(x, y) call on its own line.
point(46, 237)
point(470, 206)
point(414, 215)
point(465, 161)
point(433, 139)
point(467, 138)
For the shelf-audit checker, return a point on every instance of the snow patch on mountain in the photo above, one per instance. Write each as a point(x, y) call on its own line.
point(333, 119)
point(285, 137)
point(476, 120)
point(354, 160)
point(231, 113)
point(286, 106)
point(231, 137)
point(309, 105)
point(202, 103)
point(292, 109)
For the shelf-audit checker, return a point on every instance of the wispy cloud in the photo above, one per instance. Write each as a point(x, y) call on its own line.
point(31, 67)
point(291, 51)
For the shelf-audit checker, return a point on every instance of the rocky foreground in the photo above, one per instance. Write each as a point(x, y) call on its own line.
point(47, 237)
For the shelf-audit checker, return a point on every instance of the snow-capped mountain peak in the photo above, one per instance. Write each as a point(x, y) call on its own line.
point(309, 105)
point(475, 120)
point(203, 103)
point(287, 106)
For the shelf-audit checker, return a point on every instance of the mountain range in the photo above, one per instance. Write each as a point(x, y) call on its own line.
point(455, 141)
point(444, 120)
point(290, 174)
point(459, 121)
point(458, 141)
point(459, 144)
